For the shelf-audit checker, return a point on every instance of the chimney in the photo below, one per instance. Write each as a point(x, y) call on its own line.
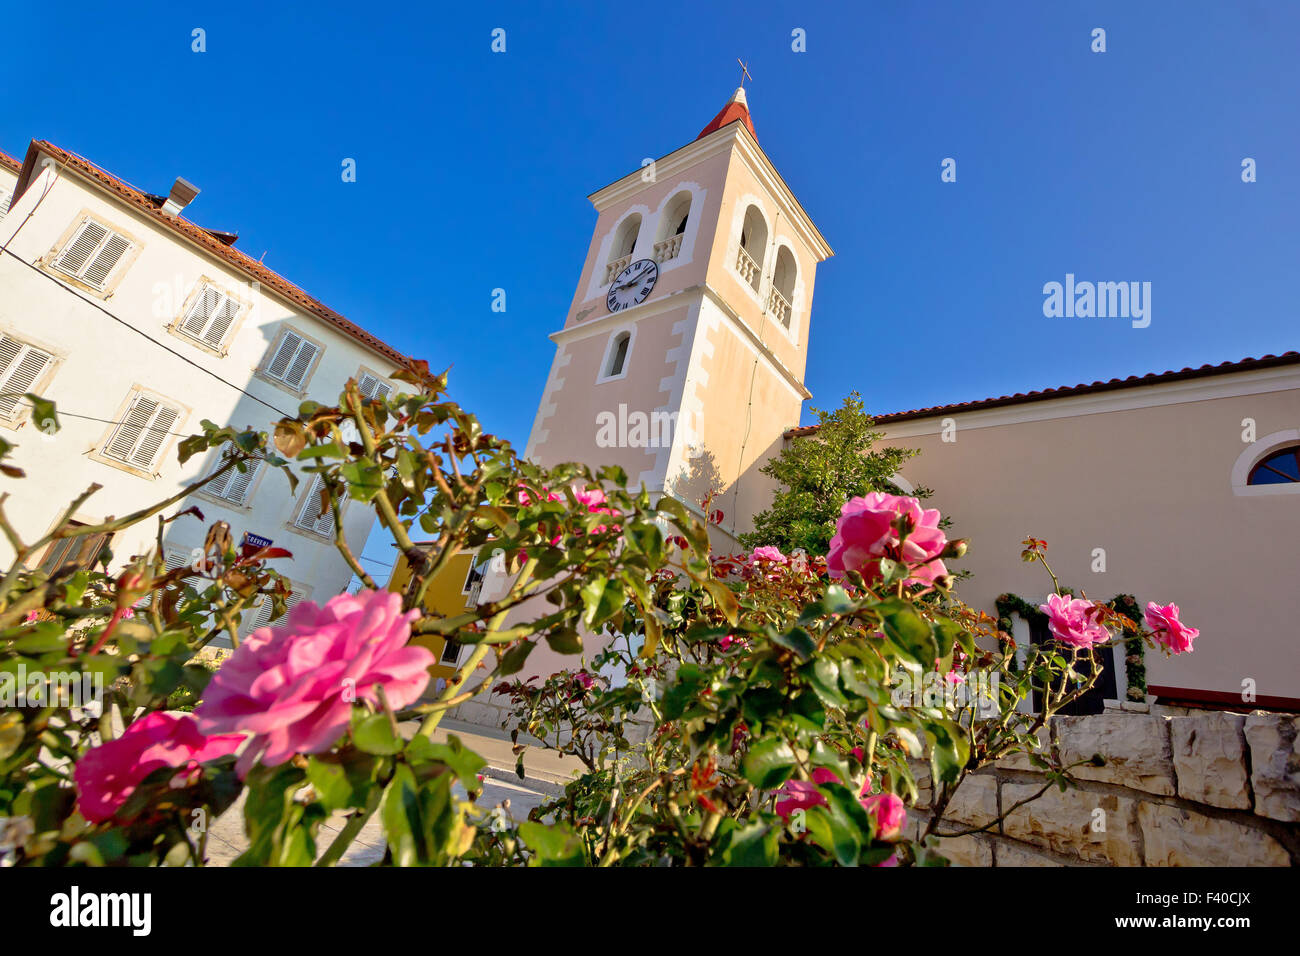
point(182, 195)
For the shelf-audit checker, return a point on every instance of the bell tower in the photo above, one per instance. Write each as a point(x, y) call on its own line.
point(682, 356)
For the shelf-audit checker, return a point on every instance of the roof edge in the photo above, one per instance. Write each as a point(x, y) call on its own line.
point(198, 236)
point(1069, 391)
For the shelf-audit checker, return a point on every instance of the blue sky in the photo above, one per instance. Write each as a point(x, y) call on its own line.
point(473, 167)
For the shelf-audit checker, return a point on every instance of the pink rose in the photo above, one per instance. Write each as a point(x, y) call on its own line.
point(803, 794)
point(889, 813)
point(1073, 621)
point(768, 553)
point(797, 795)
point(865, 533)
point(107, 775)
point(291, 685)
point(1170, 631)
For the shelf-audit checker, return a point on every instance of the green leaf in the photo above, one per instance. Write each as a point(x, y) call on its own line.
point(43, 414)
point(725, 599)
point(566, 640)
point(554, 845)
point(797, 640)
point(769, 763)
point(364, 478)
point(753, 845)
point(512, 661)
point(373, 733)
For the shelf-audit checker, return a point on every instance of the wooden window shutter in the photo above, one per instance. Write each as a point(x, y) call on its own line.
point(371, 387)
point(140, 436)
point(223, 316)
point(210, 316)
point(284, 353)
point(154, 436)
point(92, 253)
point(312, 516)
point(292, 359)
point(73, 257)
point(5, 198)
point(233, 485)
point(101, 267)
point(241, 482)
point(20, 366)
point(301, 363)
point(127, 435)
point(261, 615)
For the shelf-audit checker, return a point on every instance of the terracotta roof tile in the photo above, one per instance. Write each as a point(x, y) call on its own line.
point(736, 110)
point(9, 162)
point(1067, 391)
point(218, 248)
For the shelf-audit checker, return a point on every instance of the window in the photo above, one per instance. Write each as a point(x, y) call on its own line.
point(624, 244)
point(779, 302)
point(5, 198)
point(92, 254)
point(233, 486)
point(618, 358)
point(672, 227)
point(313, 516)
point(372, 387)
point(625, 241)
point(292, 359)
point(73, 553)
point(450, 652)
point(753, 243)
point(20, 366)
point(474, 578)
point(210, 316)
point(260, 614)
point(144, 428)
point(1278, 468)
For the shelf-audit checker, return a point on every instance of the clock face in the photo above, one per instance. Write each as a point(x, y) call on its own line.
point(632, 285)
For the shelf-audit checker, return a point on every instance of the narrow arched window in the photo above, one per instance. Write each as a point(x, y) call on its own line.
point(781, 298)
point(1278, 468)
point(753, 244)
point(618, 354)
point(672, 227)
point(624, 244)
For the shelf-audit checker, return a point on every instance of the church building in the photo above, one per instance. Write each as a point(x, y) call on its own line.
point(682, 359)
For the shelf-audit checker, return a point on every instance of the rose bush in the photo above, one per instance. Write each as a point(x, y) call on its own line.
point(737, 709)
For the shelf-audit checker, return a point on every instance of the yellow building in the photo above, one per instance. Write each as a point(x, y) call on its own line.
point(449, 593)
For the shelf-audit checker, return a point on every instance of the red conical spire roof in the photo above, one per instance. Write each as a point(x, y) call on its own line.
point(736, 109)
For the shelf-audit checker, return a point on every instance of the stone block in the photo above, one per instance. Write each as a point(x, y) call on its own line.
point(1275, 765)
point(1209, 752)
point(1096, 827)
point(1135, 747)
point(968, 850)
point(1016, 854)
point(1173, 836)
point(975, 802)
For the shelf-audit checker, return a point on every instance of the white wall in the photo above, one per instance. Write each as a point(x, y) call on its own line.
point(99, 360)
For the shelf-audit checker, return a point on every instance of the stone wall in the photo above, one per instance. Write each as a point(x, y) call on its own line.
point(1205, 789)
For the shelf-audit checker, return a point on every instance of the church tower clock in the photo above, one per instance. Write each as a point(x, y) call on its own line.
point(682, 356)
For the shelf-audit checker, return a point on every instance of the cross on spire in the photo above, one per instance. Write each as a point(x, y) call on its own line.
point(744, 73)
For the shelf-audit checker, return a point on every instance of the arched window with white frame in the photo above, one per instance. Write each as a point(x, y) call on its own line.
point(672, 227)
point(618, 351)
point(620, 251)
point(753, 245)
point(780, 300)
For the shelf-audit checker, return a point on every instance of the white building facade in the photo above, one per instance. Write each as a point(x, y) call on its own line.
point(138, 324)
